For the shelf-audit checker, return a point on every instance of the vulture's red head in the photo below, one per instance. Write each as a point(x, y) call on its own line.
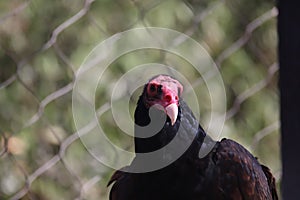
point(164, 92)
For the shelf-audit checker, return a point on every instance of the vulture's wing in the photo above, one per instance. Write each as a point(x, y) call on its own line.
point(122, 186)
point(235, 174)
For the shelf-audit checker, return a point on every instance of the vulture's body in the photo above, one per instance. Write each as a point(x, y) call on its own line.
point(228, 171)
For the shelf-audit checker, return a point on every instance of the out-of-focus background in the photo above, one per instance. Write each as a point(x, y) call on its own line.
point(43, 43)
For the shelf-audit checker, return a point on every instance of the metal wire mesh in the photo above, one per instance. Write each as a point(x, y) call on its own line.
point(41, 155)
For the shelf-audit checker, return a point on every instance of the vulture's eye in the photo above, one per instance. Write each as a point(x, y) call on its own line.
point(152, 88)
point(159, 90)
point(155, 90)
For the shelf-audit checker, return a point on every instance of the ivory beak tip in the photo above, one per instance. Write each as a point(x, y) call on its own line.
point(172, 112)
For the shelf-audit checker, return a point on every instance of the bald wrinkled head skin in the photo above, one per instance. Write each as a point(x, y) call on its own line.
point(164, 92)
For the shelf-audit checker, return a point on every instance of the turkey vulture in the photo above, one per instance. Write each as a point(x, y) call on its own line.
point(228, 171)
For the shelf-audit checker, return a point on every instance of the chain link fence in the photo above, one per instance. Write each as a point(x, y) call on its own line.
point(43, 45)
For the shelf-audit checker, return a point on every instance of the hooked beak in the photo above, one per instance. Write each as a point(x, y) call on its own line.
point(172, 112)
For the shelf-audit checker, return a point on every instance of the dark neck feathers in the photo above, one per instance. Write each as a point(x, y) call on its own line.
point(189, 129)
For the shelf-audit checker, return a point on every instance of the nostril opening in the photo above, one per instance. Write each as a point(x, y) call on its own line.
point(168, 98)
point(176, 98)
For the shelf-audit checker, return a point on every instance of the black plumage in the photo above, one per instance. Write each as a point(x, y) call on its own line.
point(228, 171)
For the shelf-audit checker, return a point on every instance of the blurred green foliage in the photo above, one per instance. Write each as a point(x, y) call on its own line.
point(29, 74)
